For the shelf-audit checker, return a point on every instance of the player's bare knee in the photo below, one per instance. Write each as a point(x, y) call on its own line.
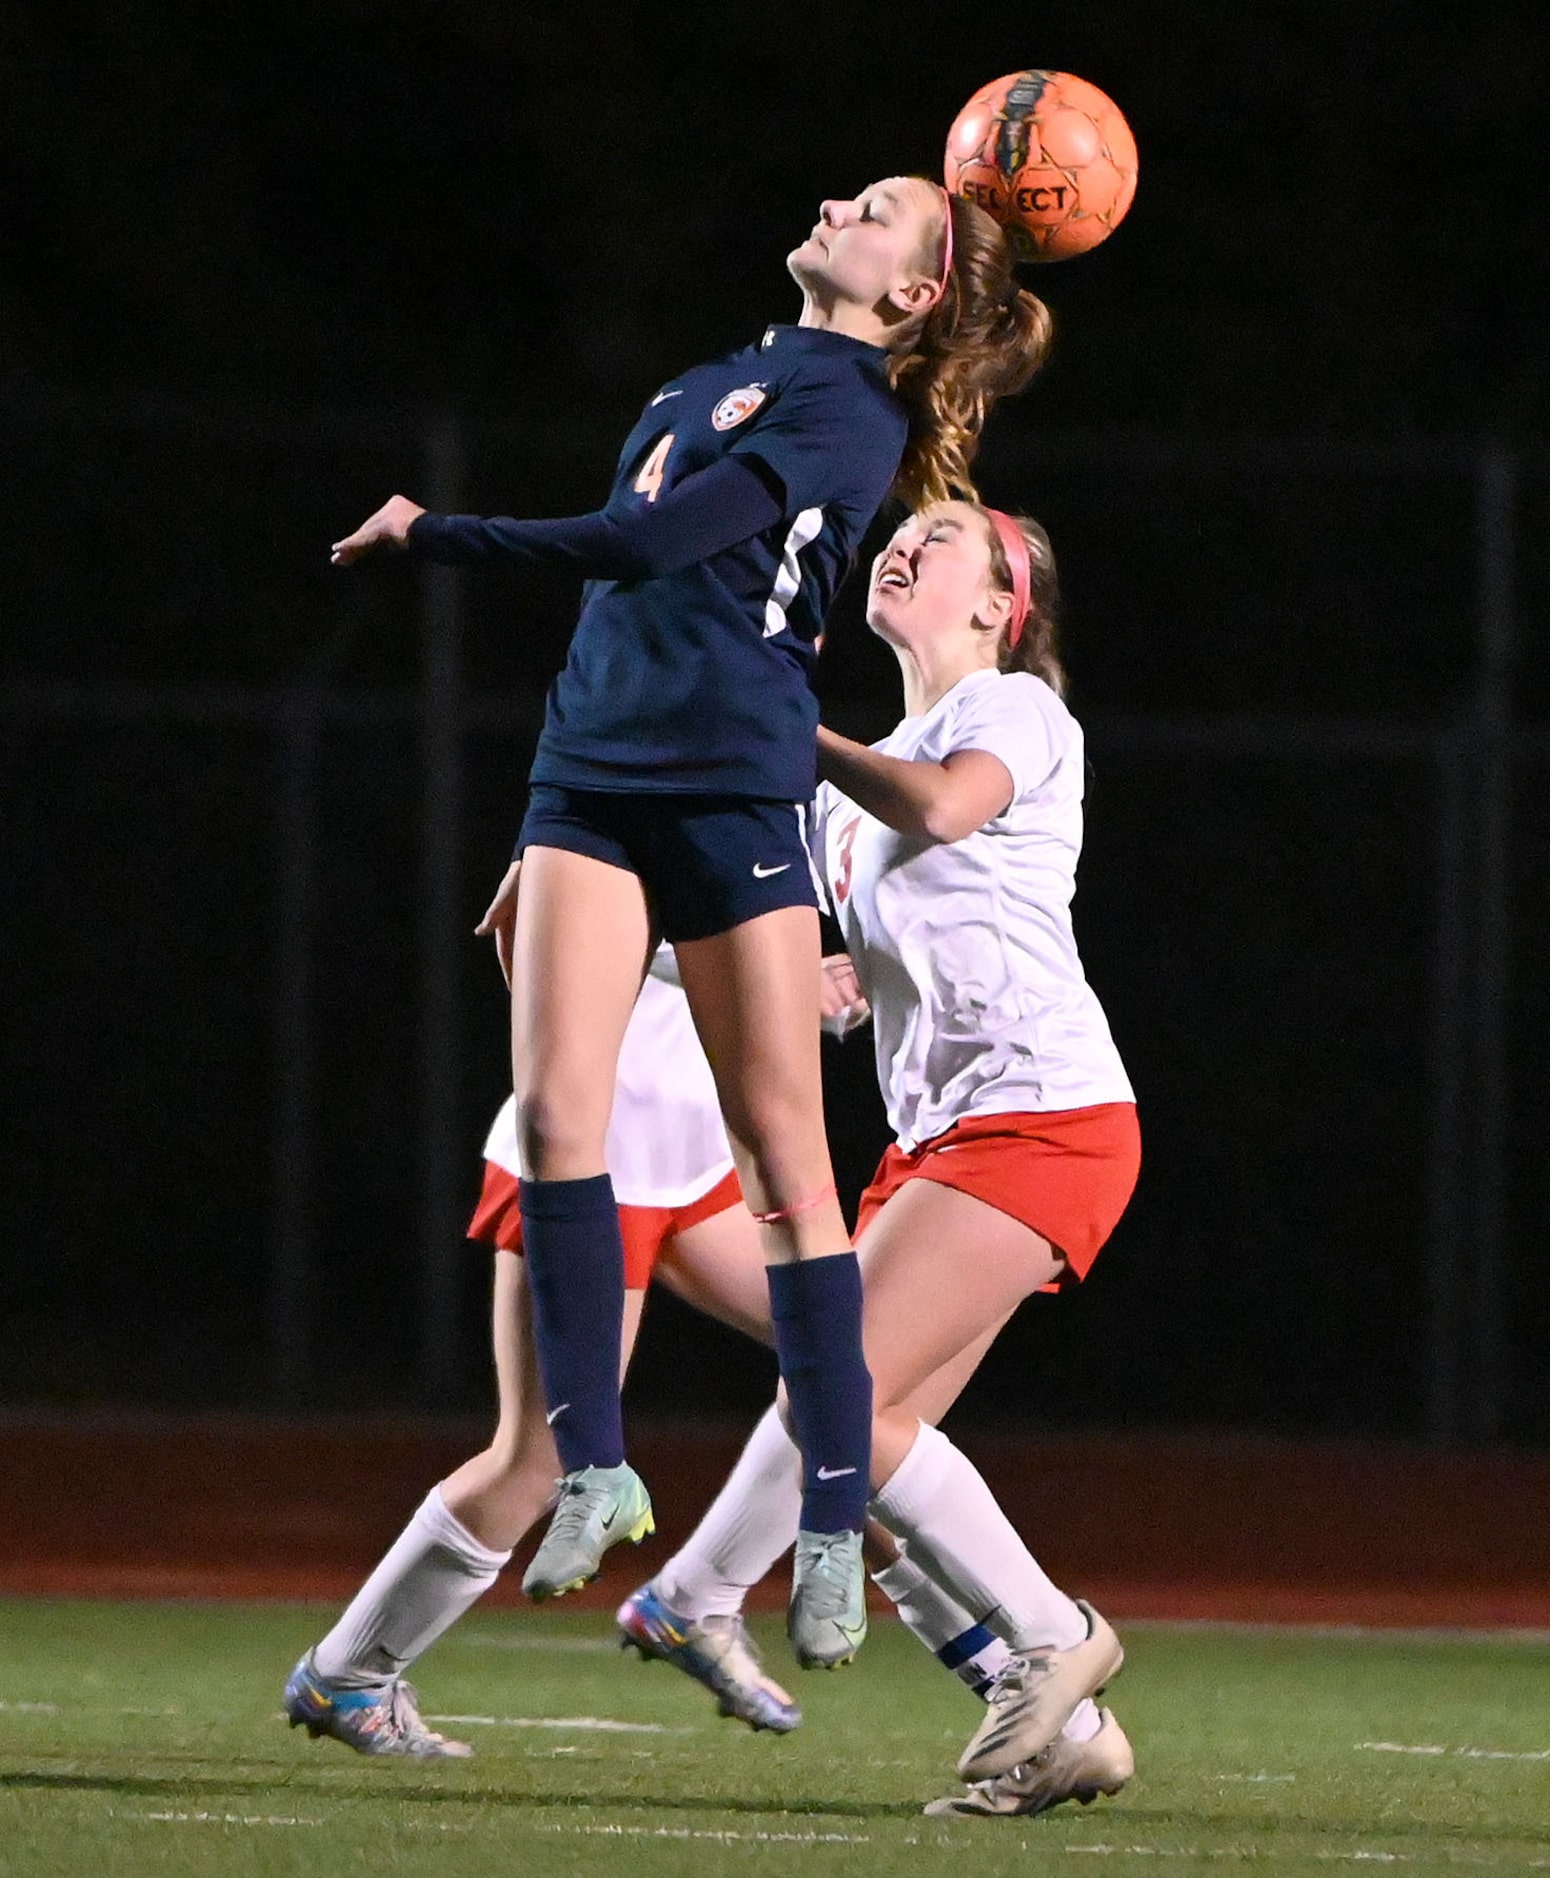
point(555, 1135)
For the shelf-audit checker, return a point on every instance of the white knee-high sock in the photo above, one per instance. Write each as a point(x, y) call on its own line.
point(748, 1525)
point(433, 1571)
point(973, 1653)
point(951, 1527)
point(958, 1641)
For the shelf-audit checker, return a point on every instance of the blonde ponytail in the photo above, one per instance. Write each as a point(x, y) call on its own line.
point(983, 340)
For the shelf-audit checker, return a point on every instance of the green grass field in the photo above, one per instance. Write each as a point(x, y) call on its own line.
point(146, 1738)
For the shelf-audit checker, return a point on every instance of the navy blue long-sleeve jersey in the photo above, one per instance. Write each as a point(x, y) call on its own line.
point(740, 498)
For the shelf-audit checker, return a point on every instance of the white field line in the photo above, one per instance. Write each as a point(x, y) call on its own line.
point(1256, 1856)
point(225, 1819)
point(1259, 1854)
point(1256, 1779)
point(726, 1836)
point(1465, 1754)
point(598, 1724)
point(29, 1708)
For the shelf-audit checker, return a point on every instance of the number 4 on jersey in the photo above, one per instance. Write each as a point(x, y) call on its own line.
point(649, 481)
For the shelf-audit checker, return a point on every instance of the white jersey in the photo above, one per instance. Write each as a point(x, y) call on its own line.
point(965, 948)
point(667, 1144)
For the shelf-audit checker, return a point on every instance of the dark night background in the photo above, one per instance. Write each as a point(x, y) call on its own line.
point(1290, 450)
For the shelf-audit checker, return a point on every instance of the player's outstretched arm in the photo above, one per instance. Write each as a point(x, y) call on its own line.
point(388, 528)
point(927, 801)
point(715, 508)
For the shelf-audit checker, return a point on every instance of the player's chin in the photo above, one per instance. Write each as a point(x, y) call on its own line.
point(882, 614)
point(807, 262)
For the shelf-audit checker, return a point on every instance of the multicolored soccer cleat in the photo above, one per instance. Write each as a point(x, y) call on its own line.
point(599, 1507)
point(715, 1651)
point(826, 1619)
point(380, 1720)
point(1066, 1770)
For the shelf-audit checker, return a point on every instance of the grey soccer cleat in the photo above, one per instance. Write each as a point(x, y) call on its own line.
point(599, 1507)
point(384, 1719)
point(715, 1651)
point(1033, 1697)
point(826, 1619)
point(1066, 1770)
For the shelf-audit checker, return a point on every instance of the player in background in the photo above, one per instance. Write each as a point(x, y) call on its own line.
point(668, 799)
point(950, 849)
point(683, 1224)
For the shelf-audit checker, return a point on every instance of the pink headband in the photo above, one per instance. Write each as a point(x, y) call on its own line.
point(947, 258)
point(1014, 546)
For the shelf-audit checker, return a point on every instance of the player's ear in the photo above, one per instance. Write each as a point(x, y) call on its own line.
point(995, 607)
point(915, 297)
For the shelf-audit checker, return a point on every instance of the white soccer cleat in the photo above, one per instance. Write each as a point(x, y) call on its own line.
point(1034, 1697)
point(1066, 1770)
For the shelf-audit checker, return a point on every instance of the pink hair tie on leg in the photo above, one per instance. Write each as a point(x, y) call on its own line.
point(1014, 545)
point(801, 1206)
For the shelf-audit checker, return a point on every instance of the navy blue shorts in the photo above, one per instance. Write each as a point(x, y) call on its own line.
point(708, 863)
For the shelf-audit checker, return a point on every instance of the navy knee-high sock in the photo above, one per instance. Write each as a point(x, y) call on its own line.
point(575, 1271)
point(816, 1307)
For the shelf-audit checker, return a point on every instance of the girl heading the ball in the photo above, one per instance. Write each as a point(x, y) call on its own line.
point(668, 799)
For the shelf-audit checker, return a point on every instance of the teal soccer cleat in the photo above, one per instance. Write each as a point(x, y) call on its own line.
point(826, 1619)
point(599, 1507)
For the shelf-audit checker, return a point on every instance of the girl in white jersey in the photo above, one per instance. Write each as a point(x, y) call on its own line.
point(683, 1222)
point(950, 851)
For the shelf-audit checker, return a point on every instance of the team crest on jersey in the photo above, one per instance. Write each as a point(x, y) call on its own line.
point(737, 406)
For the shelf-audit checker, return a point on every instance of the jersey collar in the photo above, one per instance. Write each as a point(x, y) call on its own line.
point(820, 339)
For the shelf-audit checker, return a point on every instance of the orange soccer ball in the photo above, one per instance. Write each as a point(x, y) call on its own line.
point(1050, 156)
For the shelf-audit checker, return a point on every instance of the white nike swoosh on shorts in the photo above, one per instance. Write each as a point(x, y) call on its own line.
point(661, 395)
point(764, 873)
point(834, 1473)
point(554, 1414)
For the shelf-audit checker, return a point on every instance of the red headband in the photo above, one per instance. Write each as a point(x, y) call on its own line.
point(1014, 545)
point(947, 241)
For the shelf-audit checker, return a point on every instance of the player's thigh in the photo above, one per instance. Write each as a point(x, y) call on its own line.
point(929, 1401)
point(581, 946)
point(941, 1272)
point(754, 994)
point(718, 1267)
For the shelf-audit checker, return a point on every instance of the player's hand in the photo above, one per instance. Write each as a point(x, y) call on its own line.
point(388, 528)
point(500, 919)
point(842, 1004)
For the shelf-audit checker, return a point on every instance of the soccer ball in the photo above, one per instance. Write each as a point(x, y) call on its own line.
point(1050, 156)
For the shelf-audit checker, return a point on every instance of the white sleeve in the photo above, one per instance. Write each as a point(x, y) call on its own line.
point(1012, 721)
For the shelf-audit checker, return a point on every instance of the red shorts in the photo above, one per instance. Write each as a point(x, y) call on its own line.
point(1067, 1174)
point(497, 1221)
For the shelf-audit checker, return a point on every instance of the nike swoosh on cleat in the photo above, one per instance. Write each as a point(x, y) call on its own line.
point(834, 1473)
point(763, 873)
